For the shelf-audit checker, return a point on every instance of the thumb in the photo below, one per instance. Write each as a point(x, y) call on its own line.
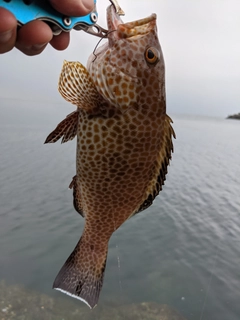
point(73, 7)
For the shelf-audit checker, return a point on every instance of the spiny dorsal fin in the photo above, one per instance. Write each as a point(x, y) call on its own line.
point(165, 154)
point(67, 129)
point(76, 86)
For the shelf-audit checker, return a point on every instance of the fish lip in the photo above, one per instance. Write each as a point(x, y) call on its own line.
point(113, 21)
point(129, 29)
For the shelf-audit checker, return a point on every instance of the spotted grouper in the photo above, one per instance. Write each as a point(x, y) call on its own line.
point(124, 143)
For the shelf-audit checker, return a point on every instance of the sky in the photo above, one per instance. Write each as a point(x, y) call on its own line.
point(201, 46)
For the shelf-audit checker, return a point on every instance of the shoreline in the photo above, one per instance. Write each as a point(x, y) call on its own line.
point(234, 116)
point(17, 302)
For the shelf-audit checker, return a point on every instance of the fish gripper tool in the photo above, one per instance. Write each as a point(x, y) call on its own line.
point(29, 10)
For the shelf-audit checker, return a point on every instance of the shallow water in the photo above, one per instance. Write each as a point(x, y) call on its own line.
point(183, 251)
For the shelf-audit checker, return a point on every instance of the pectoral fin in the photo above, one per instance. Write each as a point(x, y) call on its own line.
point(67, 129)
point(76, 86)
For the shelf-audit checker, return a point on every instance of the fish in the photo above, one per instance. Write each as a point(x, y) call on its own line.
point(124, 143)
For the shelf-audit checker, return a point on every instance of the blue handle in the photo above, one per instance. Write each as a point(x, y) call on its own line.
point(28, 10)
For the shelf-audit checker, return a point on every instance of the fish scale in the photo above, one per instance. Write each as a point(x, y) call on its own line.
point(124, 143)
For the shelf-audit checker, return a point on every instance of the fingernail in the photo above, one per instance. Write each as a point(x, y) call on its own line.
point(88, 4)
point(6, 36)
point(37, 47)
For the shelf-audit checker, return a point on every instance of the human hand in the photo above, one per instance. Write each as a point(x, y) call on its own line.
point(33, 37)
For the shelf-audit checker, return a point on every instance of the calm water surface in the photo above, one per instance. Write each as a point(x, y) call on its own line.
point(183, 251)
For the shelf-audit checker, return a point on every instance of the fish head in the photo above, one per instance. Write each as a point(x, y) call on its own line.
point(130, 66)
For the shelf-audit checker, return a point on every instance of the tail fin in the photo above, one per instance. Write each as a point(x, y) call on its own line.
point(82, 274)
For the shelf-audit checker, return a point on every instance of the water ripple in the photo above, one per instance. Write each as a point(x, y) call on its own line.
point(184, 250)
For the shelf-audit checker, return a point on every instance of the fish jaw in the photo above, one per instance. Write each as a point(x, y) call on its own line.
point(119, 68)
point(118, 29)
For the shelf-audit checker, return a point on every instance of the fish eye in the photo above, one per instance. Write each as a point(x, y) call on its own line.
point(152, 55)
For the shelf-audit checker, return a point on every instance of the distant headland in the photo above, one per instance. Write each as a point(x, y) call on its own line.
point(234, 116)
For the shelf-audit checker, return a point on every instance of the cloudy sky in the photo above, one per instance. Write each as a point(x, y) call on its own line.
point(201, 46)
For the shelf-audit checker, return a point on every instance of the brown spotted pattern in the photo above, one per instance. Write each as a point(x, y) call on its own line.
point(76, 86)
point(124, 143)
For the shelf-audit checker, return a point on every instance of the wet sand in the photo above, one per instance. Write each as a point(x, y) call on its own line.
point(19, 303)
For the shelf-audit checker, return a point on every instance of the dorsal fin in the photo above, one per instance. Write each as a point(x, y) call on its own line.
point(165, 154)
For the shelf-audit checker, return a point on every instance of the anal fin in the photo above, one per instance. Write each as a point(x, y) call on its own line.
point(66, 129)
point(77, 203)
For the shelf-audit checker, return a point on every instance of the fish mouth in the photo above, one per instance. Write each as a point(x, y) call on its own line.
point(130, 29)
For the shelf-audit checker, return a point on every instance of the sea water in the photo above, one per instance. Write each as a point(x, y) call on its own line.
point(183, 251)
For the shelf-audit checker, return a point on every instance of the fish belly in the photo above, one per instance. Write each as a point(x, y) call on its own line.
point(115, 157)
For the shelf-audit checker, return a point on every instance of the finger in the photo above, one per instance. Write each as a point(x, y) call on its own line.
point(8, 27)
point(73, 7)
point(33, 37)
point(60, 42)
